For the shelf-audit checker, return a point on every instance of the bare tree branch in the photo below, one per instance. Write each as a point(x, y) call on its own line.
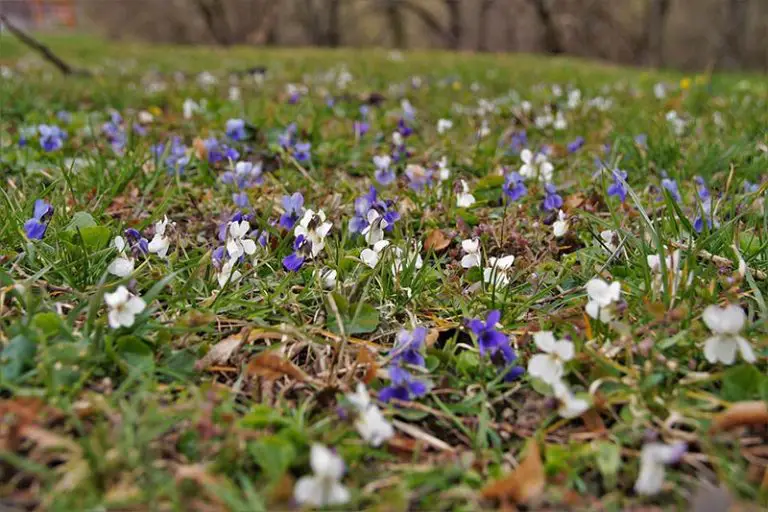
point(43, 50)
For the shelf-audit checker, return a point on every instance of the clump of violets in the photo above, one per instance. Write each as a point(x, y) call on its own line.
point(552, 200)
point(245, 175)
point(310, 239)
point(218, 151)
point(36, 227)
point(536, 166)
point(618, 188)
point(406, 352)
point(51, 137)
point(495, 344)
point(373, 216)
point(235, 130)
point(418, 176)
point(293, 209)
point(128, 247)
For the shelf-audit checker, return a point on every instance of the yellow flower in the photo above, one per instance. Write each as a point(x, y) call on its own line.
point(456, 85)
point(155, 111)
point(685, 83)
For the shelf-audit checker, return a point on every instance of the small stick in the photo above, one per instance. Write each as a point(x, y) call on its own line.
point(40, 48)
point(720, 260)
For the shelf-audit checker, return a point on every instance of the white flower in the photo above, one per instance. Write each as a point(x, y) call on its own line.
point(314, 228)
point(560, 123)
point(374, 231)
point(382, 162)
point(538, 166)
point(678, 123)
point(498, 271)
point(549, 366)
point(443, 125)
point(145, 117)
point(560, 226)
point(397, 139)
point(370, 422)
point(608, 237)
point(160, 243)
point(472, 249)
point(672, 263)
point(653, 458)
point(403, 260)
point(601, 296)
point(323, 487)
point(122, 266)
point(443, 172)
point(569, 406)
point(237, 243)
point(328, 278)
point(659, 90)
point(234, 93)
point(574, 98)
point(725, 324)
point(123, 307)
point(371, 256)
point(190, 108)
point(543, 120)
point(464, 199)
point(227, 273)
point(485, 130)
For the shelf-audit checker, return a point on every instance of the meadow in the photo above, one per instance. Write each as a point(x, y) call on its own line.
point(282, 279)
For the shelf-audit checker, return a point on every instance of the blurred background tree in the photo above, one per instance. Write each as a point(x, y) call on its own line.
point(686, 34)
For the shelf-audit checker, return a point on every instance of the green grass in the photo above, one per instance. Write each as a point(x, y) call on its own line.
point(124, 419)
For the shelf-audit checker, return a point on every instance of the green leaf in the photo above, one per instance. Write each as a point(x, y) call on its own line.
point(608, 459)
point(366, 320)
point(17, 357)
point(468, 362)
point(742, 382)
point(274, 454)
point(135, 352)
point(95, 237)
point(49, 323)
point(80, 220)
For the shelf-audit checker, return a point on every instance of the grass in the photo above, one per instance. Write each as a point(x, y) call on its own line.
point(136, 418)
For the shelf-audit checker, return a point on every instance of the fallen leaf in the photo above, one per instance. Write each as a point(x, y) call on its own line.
point(431, 337)
point(365, 357)
point(574, 201)
point(593, 421)
point(523, 484)
point(436, 241)
point(201, 152)
point(740, 414)
point(271, 366)
point(221, 352)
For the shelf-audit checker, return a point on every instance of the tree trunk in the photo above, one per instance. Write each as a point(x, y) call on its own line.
point(455, 26)
point(396, 26)
point(655, 22)
point(732, 45)
point(550, 37)
point(333, 35)
point(482, 25)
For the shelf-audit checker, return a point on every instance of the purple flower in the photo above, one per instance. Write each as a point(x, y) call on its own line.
point(115, 135)
point(404, 387)
point(489, 340)
point(576, 144)
point(403, 128)
point(418, 177)
point(293, 207)
point(701, 188)
point(64, 116)
point(385, 176)
point(552, 200)
point(617, 188)
point(518, 141)
point(218, 256)
point(288, 138)
point(671, 186)
point(408, 347)
point(240, 199)
point(51, 137)
point(36, 227)
point(295, 260)
point(235, 129)
point(360, 128)
point(370, 201)
point(641, 140)
point(301, 151)
point(139, 245)
point(514, 187)
point(218, 151)
point(750, 188)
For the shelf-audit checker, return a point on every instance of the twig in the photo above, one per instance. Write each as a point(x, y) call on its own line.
point(40, 48)
point(720, 260)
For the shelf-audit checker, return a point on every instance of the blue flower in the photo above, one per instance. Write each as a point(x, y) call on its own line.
point(368, 202)
point(36, 227)
point(617, 188)
point(218, 151)
point(288, 138)
point(408, 345)
point(294, 261)
point(514, 187)
point(51, 137)
point(139, 245)
point(64, 116)
point(641, 140)
point(670, 186)
point(240, 199)
point(489, 340)
point(576, 144)
point(293, 207)
point(403, 128)
point(518, 142)
point(552, 200)
point(301, 151)
point(750, 188)
point(235, 129)
point(404, 387)
point(360, 128)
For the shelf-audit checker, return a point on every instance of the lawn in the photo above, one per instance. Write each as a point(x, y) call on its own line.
point(275, 279)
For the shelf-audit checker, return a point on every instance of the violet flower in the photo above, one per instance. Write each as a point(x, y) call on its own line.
point(302, 151)
point(51, 137)
point(235, 129)
point(36, 227)
point(403, 387)
point(518, 141)
point(514, 186)
point(496, 345)
point(293, 207)
point(670, 186)
point(408, 346)
point(301, 250)
point(575, 144)
point(368, 202)
point(552, 200)
point(617, 188)
point(138, 244)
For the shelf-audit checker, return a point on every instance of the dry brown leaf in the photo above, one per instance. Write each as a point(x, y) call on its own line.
point(593, 421)
point(201, 151)
point(432, 337)
point(436, 241)
point(365, 357)
point(221, 352)
point(574, 201)
point(740, 414)
point(523, 484)
point(271, 366)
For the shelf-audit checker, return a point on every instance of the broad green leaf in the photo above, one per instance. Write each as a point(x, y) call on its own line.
point(17, 357)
